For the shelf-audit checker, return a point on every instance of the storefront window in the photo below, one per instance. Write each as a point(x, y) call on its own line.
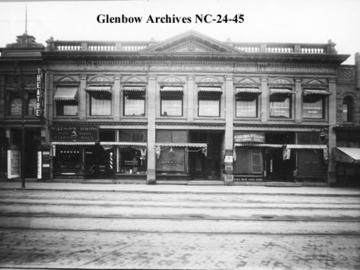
point(66, 108)
point(134, 104)
point(313, 107)
point(100, 103)
point(68, 158)
point(172, 104)
point(246, 105)
point(280, 106)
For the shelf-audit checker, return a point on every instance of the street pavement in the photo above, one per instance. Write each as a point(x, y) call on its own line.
point(87, 226)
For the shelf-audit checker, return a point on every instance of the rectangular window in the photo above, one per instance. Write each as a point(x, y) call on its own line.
point(134, 104)
point(31, 104)
point(66, 108)
point(247, 105)
point(313, 107)
point(15, 105)
point(209, 107)
point(280, 106)
point(100, 103)
point(172, 104)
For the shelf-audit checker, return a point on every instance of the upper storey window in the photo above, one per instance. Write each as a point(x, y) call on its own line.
point(171, 100)
point(314, 103)
point(209, 99)
point(280, 103)
point(247, 102)
point(66, 100)
point(100, 98)
point(347, 109)
point(134, 100)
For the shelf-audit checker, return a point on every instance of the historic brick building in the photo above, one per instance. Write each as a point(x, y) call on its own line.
point(189, 107)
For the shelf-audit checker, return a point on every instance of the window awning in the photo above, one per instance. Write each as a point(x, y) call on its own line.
point(243, 90)
point(347, 154)
point(73, 143)
point(125, 144)
point(66, 93)
point(99, 88)
point(189, 145)
point(171, 89)
point(258, 145)
point(212, 89)
point(316, 92)
point(306, 146)
point(134, 88)
point(280, 91)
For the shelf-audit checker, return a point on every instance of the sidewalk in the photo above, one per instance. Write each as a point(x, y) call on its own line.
point(216, 189)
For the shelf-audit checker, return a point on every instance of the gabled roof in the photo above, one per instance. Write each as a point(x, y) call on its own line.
point(191, 42)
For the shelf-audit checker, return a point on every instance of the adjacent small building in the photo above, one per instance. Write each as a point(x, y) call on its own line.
point(189, 107)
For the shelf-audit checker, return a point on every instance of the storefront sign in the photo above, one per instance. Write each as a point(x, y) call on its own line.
point(74, 134)
point(13, 162)
point(39, 109)
point(249, 137)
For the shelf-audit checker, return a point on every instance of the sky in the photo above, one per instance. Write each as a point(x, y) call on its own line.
point(294, 21)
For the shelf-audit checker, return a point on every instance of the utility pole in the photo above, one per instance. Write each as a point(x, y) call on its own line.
point(22, 149)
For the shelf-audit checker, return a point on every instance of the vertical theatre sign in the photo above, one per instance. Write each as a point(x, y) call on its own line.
point(39, 109)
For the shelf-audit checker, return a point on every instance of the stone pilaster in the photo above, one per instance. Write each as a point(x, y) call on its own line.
point(332, 134)
point(2, 96)
point(116, 98)
point(82, 98)
point(117, 138)
point(151, 133)
point(190, 89)
point(298, 101)
point(265, 95)
point(229, 124)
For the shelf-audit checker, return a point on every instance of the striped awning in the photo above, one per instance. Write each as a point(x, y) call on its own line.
point(268, 145)
point(138, 144)
point(73, 143)
point(306, 146)
point(280, 91)
point(316, 92)
point(99, 88)
point(134, 88)
point(347, 154)
point(66, 93)
point(212, 89)
point(246, 90)
point(171, 89)
point(189, 145)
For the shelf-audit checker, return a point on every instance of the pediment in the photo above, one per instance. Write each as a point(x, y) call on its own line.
point(191, 42)
point(65, 79)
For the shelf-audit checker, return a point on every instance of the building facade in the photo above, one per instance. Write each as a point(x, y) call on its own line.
point(189, 107)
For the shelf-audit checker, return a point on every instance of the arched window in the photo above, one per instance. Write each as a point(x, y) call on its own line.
point(347, 109)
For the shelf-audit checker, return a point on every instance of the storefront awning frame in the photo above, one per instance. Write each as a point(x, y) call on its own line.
point(265, 145)
point(125, 144)
point(347, 155)
point(72, 143)
point(189, 145)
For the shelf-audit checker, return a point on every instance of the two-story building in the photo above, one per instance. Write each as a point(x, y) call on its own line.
point(190, 107)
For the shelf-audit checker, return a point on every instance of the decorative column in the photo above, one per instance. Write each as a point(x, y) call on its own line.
point(190, 98)
point(229, 129)
point(82, 98)
point(264, 100)
point(151, 133)
point(116, 98)
point(332, 134)
point(298, 101)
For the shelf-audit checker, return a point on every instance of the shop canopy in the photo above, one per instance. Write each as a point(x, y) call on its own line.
point(268, 145)
point(248, 90)
point(99, 88)
point(134, 88)
point(124, 144)
point(347, 154)
point(306, 146)
point(189, 145)
point(316, 92)
point(280, 91)
point(66, 93)
point(73, 143)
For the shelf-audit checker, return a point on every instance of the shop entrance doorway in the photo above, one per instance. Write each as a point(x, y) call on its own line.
point(206, 166)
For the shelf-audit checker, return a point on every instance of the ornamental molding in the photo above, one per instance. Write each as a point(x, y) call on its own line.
point(209, 80)
point(134, 79)
point(66, 79)
point(247, 80)
point(171, 80)
point(100, 79)
point(281, 80)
